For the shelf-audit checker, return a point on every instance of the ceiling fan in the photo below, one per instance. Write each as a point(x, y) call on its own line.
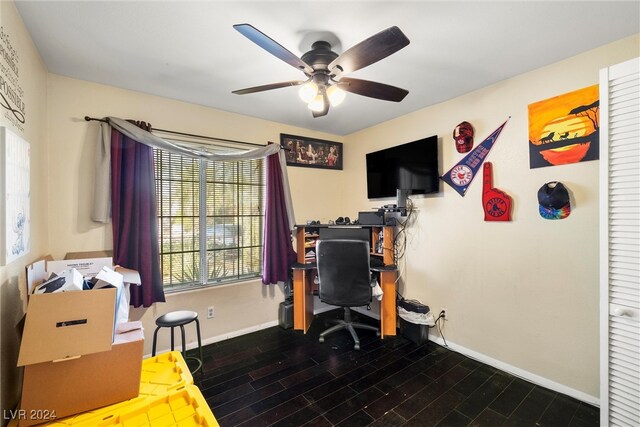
point(324, 68)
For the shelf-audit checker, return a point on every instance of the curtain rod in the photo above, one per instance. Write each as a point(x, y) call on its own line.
point(87, 118)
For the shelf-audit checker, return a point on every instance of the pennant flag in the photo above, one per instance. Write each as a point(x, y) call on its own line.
point(460, 176)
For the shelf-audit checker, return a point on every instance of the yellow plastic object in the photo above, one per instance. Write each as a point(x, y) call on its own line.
point(183, 407)
point(164, 373)
point(160, 376)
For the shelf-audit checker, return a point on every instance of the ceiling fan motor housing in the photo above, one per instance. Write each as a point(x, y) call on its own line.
point(320, 56)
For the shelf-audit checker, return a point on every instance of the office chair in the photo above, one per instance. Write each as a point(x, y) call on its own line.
point(345, 280)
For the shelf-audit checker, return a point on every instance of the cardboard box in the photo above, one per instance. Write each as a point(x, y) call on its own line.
point(73, 359)
point(63, 281)
point(89, 264)
point(70, 363)
point(89, 254)
point(88, 267)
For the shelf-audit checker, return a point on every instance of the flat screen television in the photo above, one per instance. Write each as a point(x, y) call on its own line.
point(412, 166)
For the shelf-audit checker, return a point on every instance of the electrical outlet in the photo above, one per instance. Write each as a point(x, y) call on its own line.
point(210, 313)
point(443, 311)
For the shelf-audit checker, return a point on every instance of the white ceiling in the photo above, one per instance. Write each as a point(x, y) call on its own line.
point(188, 50)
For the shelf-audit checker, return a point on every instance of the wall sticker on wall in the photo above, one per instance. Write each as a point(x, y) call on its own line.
point(459, 177)
point(11, 92)
point(564, 129)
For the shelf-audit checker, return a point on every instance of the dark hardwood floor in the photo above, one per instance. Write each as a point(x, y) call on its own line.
point(284, 378)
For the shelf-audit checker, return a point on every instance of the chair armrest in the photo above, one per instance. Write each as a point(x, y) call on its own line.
point(384, 268)
point(304, 266)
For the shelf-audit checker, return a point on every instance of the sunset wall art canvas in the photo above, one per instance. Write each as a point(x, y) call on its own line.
point(564, 129)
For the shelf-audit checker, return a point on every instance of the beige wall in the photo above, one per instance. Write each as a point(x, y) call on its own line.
point(238, 307)
point(32, 79)
point(524, 293)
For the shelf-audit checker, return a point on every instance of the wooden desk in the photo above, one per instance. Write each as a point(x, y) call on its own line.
point(303, 279)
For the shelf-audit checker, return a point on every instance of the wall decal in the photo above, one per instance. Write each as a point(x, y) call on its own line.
point(460, 176)
point(564, 129)
point(11, 93)
point(496, 203)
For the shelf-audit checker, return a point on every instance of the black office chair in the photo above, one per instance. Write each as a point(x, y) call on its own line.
point(345, 280)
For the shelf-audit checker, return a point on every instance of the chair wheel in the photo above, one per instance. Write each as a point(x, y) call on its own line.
point(377, 333)
point(356, 347)
point(321, 339)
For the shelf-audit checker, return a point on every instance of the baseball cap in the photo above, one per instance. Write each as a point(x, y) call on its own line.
point(553, 200)
point(463, 136)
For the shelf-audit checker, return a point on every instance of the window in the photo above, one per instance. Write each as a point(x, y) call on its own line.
point(210, 219)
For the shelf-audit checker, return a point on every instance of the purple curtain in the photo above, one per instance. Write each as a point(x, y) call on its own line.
point(277, 253)
point(134, 216)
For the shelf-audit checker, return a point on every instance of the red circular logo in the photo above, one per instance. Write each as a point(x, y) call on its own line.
point(461, 175)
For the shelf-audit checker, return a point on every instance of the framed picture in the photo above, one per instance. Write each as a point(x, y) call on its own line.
point(311, 152)
point(15, 209)
point(565, 129)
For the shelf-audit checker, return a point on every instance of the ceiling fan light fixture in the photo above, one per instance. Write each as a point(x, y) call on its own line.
point(324, 68)
point(336, 95)
point(317, 104)
point(308, 92)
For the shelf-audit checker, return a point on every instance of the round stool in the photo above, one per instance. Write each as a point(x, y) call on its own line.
point(172, 320)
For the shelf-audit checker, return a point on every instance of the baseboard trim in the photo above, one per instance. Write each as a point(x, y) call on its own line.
point(237, 333)
point(518, 372)
point(222, 337)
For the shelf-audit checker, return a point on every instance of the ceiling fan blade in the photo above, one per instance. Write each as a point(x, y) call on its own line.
point(273, 47)
point(369, 51)
point(325, 109)
point(268, 87)
point(373, 89)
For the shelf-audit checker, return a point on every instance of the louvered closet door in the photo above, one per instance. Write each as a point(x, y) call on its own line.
point(620, 244)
